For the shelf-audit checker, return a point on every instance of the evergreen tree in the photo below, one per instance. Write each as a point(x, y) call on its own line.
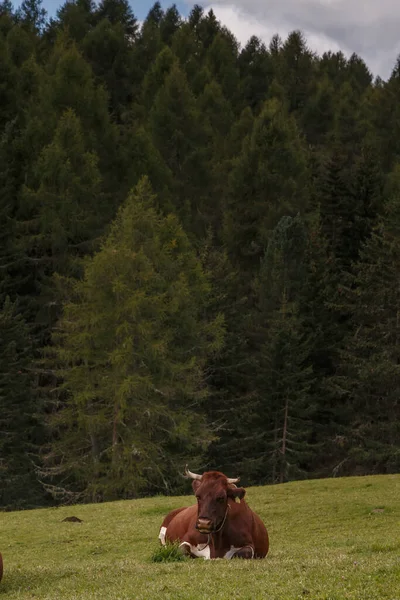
point(256, 72)
point(7, 87)
point(156, 75)
point(334, 65)
point(77, 17)
point(337, 209)
point(132, 346)
point(187, 48)
point(149, 43)
point(359, 73)
point(296, 70)
point(109, 50)
point(170, 24)
point(269, 179)
point(118, 12)
point(32, 15)
point(368, 381)
point(182, 141)
point(319, 113)
point(19, 426)
point(65, 212)
point(221, 60)
point(284, 365)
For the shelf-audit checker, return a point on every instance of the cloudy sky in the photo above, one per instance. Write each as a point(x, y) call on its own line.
point(371, 28)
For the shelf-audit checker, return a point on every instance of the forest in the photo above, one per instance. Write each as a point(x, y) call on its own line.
point(199, 256)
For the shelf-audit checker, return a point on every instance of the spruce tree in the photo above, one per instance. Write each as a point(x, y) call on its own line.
point(32, 15)
point(77, 17)
point(296, 70)
point(182, 141)
point(284, 364)
point(109, 49)
point(20, 429)
point(319, 113)
point(170, 24)
point(221, 60)
point(156, 75)
point(119, 12)
point(269, 179)
point(368, 380)
point(256, 73)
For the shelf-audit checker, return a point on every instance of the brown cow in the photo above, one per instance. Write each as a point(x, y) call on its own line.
point(222, 525)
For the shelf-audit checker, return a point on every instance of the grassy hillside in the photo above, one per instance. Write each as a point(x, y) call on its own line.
point(330, 539)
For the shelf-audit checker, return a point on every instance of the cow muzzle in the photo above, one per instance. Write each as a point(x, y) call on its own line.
point(204, 525)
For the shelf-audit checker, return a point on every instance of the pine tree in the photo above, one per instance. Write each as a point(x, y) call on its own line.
point(284, 364)
point(119, 12)
point(319, 113)
point(6, 8)
point(334, 65)
point(7, 86)
point(149, 43)
point(32, 15)
point(187, 48)
point(170, 24)
point(156, 75)
point(182, 141)
point(359, 74)
point(256, 72)
point(221, 60)
point(77, 17)
point(335, 196)
point(19, 425)
point(269, 179)
point(368, 380)
point(109, 49)
point(132, 346)
point(63, 214)
point(296, 70)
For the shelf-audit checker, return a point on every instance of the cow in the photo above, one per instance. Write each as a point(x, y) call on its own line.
point(221, 525)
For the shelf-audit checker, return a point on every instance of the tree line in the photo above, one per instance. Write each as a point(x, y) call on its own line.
point(199, 259)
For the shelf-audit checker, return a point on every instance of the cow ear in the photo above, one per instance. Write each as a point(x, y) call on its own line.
point(195, 485)
point(235, 492)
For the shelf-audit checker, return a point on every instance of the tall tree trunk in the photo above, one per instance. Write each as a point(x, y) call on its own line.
point(284, 438)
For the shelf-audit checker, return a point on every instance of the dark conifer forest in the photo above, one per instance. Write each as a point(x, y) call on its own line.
point(199, 256)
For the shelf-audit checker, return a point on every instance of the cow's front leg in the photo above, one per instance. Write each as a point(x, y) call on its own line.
point(245, 552)
point(185, 549)
point(196, 551)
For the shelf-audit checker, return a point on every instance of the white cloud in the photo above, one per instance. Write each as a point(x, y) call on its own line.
point(368, 27)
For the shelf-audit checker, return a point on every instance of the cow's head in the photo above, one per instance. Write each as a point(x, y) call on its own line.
point(212, 490)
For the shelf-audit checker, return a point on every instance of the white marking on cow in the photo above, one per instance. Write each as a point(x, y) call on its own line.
point(200, 550)
point(231, 553)
point(161, 535)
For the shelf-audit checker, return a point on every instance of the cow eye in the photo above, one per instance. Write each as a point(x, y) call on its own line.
point(221, 498)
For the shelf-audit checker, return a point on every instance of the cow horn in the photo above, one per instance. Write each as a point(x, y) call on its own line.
point(233, 480)
point(192, 475)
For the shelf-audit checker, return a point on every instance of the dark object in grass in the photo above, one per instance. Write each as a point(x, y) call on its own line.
point(72, 520)
point(171, 552)
point(1, 566)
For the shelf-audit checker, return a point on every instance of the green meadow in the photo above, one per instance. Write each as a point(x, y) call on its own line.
point(330, 540)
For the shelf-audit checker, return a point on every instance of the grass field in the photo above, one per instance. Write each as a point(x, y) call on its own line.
point(330, 539)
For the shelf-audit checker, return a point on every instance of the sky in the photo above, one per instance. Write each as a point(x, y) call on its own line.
point(368, 27)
